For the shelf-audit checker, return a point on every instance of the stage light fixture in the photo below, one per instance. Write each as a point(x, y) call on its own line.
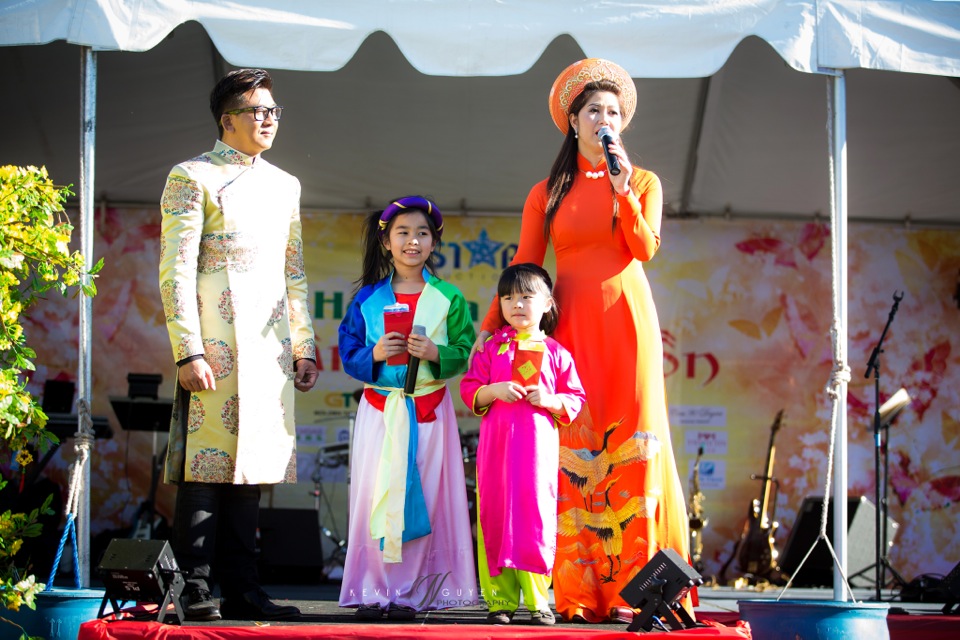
point(658, 589)
point(142, 571)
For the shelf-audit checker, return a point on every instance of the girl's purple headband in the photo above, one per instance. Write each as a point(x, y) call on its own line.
point(417, 203)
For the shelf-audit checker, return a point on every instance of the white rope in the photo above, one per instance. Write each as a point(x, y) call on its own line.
point(839, 376)
point(83, 442)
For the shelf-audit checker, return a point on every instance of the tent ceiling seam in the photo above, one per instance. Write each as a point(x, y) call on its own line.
point(694, 149)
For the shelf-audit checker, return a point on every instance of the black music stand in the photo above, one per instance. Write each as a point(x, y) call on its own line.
point(143, 410)
point(143, 414)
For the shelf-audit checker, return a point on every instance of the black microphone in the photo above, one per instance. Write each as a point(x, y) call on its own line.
point(606, 138)
point(414, 365)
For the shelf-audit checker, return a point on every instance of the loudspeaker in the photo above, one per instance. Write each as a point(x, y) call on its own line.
point(58, 396)
point(143, 385)
point(290, 548)
point(817, 571)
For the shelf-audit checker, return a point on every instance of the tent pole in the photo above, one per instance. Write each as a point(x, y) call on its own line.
point(88, 121)
point(838, 154)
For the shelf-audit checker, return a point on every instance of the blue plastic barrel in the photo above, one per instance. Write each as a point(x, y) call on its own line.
point(815, 619)
point(58, 615)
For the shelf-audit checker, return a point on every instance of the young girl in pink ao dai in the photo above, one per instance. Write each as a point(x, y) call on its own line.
point(523, 384)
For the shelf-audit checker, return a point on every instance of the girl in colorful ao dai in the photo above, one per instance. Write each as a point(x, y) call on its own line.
point(522, 385)
point(410, 547)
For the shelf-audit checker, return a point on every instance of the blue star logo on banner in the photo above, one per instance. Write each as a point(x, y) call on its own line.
point(483, 250)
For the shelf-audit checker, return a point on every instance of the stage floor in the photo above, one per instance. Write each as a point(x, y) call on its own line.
point(323, 618)
point(321, 600)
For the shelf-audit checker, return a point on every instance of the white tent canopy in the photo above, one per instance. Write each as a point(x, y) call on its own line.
point(416, 96)
point(654, 39)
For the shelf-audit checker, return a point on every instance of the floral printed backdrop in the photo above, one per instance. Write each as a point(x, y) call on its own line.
point(758, 298)
point(745, 309)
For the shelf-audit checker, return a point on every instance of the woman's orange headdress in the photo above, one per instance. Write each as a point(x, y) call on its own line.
point(571, 81)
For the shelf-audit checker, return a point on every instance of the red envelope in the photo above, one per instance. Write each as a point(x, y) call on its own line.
point(527, 361)
point(397, 317)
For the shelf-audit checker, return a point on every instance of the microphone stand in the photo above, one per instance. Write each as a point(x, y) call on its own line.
point(873, 366)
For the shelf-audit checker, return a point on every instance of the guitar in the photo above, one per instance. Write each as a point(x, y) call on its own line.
point(697, 519)
point(758, 553)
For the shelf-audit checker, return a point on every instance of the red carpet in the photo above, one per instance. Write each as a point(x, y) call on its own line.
point(902, 627)
point(127, 630)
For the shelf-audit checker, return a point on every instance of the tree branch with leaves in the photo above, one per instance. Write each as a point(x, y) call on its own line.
point(35, 259)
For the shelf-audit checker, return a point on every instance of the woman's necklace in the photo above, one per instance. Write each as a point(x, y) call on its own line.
point(595, 175)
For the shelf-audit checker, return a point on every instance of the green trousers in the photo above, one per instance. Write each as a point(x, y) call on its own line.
point(502, 593)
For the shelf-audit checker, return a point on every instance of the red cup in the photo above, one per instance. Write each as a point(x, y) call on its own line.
point(397, 317)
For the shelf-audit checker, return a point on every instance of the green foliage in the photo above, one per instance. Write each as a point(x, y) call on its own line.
point(14, 527)
point(34, 259)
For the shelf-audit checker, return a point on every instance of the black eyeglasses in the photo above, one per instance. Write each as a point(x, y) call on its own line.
point(260, 113)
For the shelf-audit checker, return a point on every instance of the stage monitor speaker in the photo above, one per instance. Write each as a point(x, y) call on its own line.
point(817, 571)
point(290, 548)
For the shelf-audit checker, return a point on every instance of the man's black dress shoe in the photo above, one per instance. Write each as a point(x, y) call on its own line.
point(256, 605)
point(199, 606)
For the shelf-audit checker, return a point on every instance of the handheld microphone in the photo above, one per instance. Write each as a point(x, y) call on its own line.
point(606, 138)
point(414, 365)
